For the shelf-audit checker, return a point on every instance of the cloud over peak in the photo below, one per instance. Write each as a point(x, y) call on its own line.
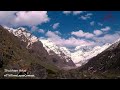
point(69, 42)
point(80, 33)
point(97, 32)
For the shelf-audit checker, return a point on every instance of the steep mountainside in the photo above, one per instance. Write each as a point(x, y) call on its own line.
point(14, 55)
point(106, 63)
point(34, 45)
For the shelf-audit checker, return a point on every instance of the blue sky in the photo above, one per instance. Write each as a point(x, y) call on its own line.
point(70, 22)
point(67, 28)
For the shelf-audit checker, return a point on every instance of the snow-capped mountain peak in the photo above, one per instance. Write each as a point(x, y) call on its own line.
point(52, 48)
point(81, 57)
point(23, 34)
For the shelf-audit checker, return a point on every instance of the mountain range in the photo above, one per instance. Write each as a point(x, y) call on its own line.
point(43, 58)
point(79, 56)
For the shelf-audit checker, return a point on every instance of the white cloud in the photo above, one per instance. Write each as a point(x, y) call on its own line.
point(84, 17)
point(36, 29)
point(97, 32)
point(41, 31)
point(7, 17)
point(57, 32)
point(80, 33)
point(56, 25)
point(70, 42)
point(73, 12)
point(51, 34)
point(107, 28)
point(30, 18)
point(66, 12)
point(77, 12)
point(74, 42)
point(87, 16)
point(23, 18)
point(108, 38)
point(92, 23)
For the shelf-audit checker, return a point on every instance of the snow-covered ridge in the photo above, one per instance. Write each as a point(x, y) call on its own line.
point(114, 45)
point(21, 32)
point(82, 57)
point(60, 51)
